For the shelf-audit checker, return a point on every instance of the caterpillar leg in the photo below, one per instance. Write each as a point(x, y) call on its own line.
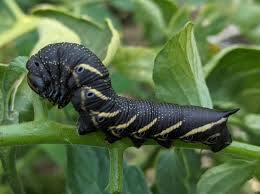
point(137, 142)
point(85, 124)
point(164, 143)
point(110, 138)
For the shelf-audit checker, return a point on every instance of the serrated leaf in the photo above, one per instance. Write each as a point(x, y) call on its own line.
point(178, 74)
point(226, 178)
point(233, 77)
point(177, 171)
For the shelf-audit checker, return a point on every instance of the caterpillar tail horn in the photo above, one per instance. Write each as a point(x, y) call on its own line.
point(230, 112)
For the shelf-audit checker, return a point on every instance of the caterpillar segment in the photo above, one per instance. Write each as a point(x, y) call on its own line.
point(69, 72)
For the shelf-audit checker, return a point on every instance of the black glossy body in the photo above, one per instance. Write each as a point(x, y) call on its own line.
point(65, 72)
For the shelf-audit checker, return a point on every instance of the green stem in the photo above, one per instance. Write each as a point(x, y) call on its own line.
point(7, 155)
point(115, 184)
point(49, 132)
point(40, 110)
point(14, 8)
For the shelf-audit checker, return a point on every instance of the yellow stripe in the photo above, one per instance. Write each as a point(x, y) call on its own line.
point(169, 129)
point(82, 99)
point(148, 126)
point(204, 127)
point(124, 125)
point(91, 69)
point(94, 121)
point(76, 77)
point(106, 114)
point(97, 93)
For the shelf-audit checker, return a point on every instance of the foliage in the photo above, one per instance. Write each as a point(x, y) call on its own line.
point(187, 52)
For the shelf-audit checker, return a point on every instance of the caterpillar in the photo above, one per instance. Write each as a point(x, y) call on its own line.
point(69, 72)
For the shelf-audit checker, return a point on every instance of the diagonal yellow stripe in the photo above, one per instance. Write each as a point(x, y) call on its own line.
point(91, 69)
point(124, 125)
point(148, 126)
point(106, 114)
point(204, 128)
point(169, 129)
point(97, 93)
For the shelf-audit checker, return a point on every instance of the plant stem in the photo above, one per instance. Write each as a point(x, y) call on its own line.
point(39, 108)
point(7, 155)
point(49, 132)
point(14, 8)
point(115, 184)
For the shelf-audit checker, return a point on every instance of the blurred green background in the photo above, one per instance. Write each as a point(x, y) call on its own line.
point(148, 47)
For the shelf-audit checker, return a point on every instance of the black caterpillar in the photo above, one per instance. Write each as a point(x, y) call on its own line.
point(68, 72)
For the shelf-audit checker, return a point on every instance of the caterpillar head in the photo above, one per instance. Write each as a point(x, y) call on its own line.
point(49, 69)
point(38, 78)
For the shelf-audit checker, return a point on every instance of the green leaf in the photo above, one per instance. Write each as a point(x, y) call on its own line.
point(226, 178)
point(99, 11)
point(178, 78)
point(84, 28)
point(56, 152)
point(134, 181)
point(233, 77)
point(52, 31)
point(88, 169)
point(7, 15)
point(12, 79)
point(178, 20)
point(150, 13)
point(135, 63)
point(15, 69)
point(18, 29)
point(177, 171)
point(178, 74)
point(126, 5)
point(23, 102)
point(3, 68)
point(113, 44)
point(168, 8)
point(251, 122)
